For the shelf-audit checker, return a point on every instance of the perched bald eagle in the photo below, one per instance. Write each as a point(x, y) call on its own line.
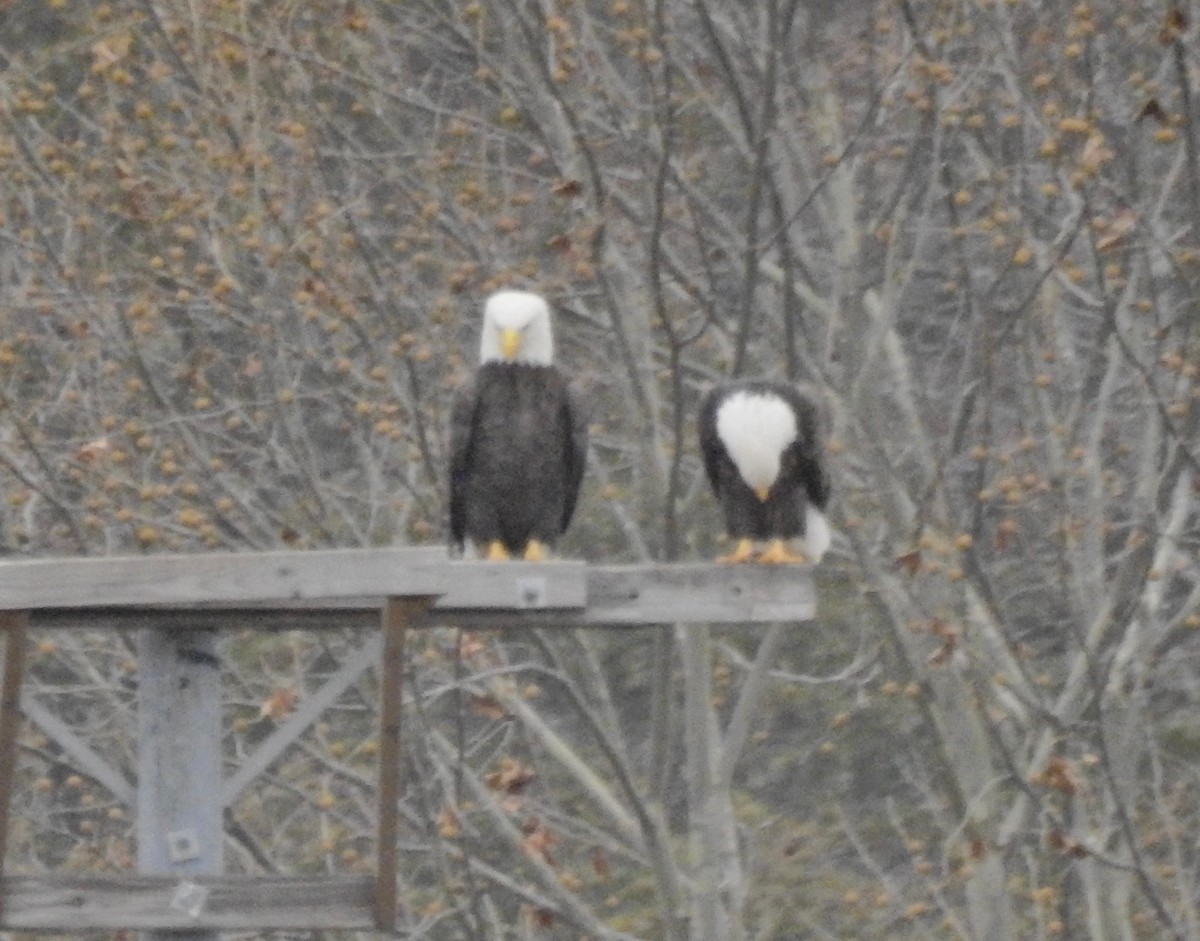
point(518, 438)
point(763, 446)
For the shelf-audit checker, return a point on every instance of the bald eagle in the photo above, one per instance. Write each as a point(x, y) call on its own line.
point(763, 444)
point(518, 438)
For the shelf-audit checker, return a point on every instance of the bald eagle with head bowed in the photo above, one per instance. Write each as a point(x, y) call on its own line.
point(518, 437)
point(763, 445)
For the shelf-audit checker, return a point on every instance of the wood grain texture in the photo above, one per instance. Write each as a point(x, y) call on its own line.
point(179, 753)
point(14, 626)
point(233, 903)
point(219, 577)
point(640, 595)
point(398, 615)
point(486, 595)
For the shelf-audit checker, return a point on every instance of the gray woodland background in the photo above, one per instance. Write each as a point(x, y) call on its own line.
point(243, 249)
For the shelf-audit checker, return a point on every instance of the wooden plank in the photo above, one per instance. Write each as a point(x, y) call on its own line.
point(519, 586)
point(485, 595)
point(185, 580)
point(226, 903)
point(180, 822)
point(399, 614)
point(703, 592)
point(14, 625)
point(641, 595)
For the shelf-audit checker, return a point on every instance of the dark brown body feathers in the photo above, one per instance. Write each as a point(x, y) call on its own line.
point(518, 445)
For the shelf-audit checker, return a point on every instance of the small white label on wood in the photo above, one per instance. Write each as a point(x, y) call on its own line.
point(189, 898)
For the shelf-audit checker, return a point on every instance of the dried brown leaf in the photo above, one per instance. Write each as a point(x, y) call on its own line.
point(93, 450)
point(448, 824)
point(1095, 153)
point(512, 777)
point(280, 704)
point(1153, 110)
point(1121, 226)
point(110, 50)
point(600, 864)
point(1175, 24)
point(567, 188)
point(489, 707)
point(539, 840)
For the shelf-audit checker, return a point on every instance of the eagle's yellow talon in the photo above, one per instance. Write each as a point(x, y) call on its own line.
point(744, 552)
point(496, 552)
point(535, 551)
point(778, 553)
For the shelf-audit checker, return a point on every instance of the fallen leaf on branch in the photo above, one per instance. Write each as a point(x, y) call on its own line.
point(280, 704)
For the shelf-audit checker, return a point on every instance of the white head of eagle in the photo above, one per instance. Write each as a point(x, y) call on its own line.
point(763, 446)
point(516, 329)
point(518, 437)
point(755, 428)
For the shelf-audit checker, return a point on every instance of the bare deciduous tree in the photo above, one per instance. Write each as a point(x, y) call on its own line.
point(244, 247)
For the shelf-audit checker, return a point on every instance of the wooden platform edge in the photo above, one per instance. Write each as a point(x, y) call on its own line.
point(63, 902)
point(487, 595)
point(206, 577)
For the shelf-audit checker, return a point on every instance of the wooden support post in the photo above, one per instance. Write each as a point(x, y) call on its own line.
point(14, 624)
point(179, 813)
point(398, 615)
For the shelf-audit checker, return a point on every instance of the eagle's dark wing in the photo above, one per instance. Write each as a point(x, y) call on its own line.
point(462, 433)
point(812, 425)
point(711, 448)
point(575, 434)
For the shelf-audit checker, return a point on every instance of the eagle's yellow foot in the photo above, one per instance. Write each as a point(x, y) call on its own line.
point(778, 553)
point(743, 552)
point(535, 551)
point(496, 552)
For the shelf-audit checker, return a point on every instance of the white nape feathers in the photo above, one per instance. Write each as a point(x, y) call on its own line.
point(762, 442)
point(756, 429)
point(516, 328)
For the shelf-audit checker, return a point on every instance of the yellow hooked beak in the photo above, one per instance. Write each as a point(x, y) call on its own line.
point(762, 493)
point(510, 343)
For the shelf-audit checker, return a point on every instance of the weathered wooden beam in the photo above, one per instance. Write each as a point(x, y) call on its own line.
point(515, 586)
point(14, 626)
point(180, 826)
point(640, 595)
point(132, 581)
point(398, 615)
point(485, 595)
point(198, 903)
